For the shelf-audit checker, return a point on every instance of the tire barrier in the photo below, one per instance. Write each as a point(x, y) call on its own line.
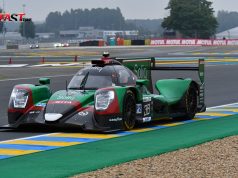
point(89, 43)
point(92, 43)
point(137, 42)
point(127, 42)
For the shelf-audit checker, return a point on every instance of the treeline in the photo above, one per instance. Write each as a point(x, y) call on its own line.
point(147, 25)
point(108, 19)
point(227, 20)
point(112, 19)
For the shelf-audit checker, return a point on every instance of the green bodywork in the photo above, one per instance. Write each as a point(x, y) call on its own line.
point(85, 98)
point(172, 90)
point(40, 93)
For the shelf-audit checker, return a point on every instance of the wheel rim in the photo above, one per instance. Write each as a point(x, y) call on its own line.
point(129, 117)
point(192, 102)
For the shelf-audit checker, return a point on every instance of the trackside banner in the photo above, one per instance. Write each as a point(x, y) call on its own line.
point(193, 42)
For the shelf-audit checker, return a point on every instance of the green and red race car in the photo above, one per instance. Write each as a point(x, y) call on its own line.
point(111, 94)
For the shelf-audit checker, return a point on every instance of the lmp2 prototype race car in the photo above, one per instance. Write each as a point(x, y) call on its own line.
point(111, 94)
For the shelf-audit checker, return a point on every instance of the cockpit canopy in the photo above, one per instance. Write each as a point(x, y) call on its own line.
point(95, 77)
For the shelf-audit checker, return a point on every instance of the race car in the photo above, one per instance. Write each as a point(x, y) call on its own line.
point(56, 45)
point(65, 44)
point(112, 94)
point(34, 46)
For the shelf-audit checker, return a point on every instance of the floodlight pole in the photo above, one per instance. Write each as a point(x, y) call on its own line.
point(3, 25)
point(23, 27)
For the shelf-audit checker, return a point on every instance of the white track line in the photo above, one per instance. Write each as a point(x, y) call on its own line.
point(27, 137)
point(214, 107)
point(13, 65)
point(50, 76)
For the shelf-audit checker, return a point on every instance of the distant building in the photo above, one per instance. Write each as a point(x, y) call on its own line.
point(228, 34)
point(90, 33)
point(69, 34)
point(12, 36)
point(84, 33)
point(120, 33)
point(45, 35)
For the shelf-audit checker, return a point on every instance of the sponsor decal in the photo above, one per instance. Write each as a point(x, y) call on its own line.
point(99, 69)
point(83, 113)
point(188, 42)
point(204, 42)
point(115, 119)
point(219, 42)
point(146, 119)
point(146, 99)
point(41, 104)
point(16, 17)
point(34, 112)
point(65, 97)
point(192, 42)
point(141, 71)
point(138, 108)
point(202, 74)
point(173, 42)
point(157, 42)
point(232, 42)
point(62, 102)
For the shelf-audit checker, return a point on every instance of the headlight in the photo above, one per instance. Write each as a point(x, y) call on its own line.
point(103, 99)
point(19, 98)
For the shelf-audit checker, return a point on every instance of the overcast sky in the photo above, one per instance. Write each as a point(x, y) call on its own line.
point(131, 9)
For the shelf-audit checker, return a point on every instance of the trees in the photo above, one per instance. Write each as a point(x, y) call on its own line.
point(27, 29)
point(227, 20)
point(1, 24)
point(53, 21)
point(192, 18)
point(100, 18)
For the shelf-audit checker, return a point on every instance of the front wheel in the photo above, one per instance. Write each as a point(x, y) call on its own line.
point(129, 110)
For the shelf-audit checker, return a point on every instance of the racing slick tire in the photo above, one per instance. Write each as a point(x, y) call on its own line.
point(189, 103)
point(129, 111)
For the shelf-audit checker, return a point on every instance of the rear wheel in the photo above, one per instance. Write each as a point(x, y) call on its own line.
point(189, 104)
point(129, 111)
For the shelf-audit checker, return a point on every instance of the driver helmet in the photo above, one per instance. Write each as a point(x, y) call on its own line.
point(105, 54)
point(123, 76)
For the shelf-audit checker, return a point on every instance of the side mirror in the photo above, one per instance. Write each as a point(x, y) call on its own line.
point(44, 81)
point(144, 82)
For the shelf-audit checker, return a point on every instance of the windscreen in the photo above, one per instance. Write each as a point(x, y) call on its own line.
point(92, 78)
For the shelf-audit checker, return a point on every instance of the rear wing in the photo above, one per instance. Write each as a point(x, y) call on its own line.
point(142, 67)
point(200, 68)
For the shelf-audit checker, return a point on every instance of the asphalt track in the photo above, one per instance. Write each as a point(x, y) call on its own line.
point(221, 80)
point(29, 56)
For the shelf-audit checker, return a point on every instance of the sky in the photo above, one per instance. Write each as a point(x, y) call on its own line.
point(131, 9)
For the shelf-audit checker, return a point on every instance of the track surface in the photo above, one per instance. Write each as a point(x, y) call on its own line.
point(221, 85)
point(29, 56)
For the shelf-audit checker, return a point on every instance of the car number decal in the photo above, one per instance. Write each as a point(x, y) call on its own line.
point(147, 109)
point(146, 119)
